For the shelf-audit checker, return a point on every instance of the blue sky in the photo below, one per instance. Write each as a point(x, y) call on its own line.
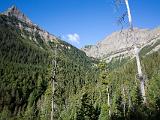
point(87, 21)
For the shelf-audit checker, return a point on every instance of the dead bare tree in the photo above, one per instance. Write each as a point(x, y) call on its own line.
point(53, 80)
point(124, 102)
point(108, 101)
point(136, 49)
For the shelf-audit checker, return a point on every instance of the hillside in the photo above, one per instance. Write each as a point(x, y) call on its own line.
point(25, 70)
point(82, 85)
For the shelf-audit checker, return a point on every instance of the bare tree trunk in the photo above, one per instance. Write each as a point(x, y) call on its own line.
point(124, 104)
point(129, 99)
point(136, 50)
point(129, 14)
point(109, 105)
point(140, 75)
point(53, 79)
point(53, 89)
point(143, 91)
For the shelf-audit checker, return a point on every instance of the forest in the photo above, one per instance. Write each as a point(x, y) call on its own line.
point(84, 88)
point(82, 84)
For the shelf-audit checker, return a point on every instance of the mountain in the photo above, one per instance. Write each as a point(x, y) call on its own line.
point(85, 89)
point(26, 24)
point(13, 11)
point(121, 43)
point(27, 53)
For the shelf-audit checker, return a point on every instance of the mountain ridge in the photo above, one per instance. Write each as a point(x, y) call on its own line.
point(13, 11)
point(117, 43)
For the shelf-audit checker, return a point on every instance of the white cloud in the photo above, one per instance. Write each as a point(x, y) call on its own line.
point(73, 38)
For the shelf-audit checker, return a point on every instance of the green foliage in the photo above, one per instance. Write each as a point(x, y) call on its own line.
point(87, 111)
point(104, 112)
point(25, 73)
point(148, 48)
point(117, 62)
point(102, 66)
point(81, 86)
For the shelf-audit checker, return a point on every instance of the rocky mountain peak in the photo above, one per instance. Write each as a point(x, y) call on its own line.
point(120, 43)
point(33, 29)
point(13, 8)
point(14, 11)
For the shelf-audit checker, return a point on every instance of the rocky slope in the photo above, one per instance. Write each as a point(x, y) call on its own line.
point(121, 43)
point(26, 24)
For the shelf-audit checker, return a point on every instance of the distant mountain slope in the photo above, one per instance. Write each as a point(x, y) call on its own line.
point(120, 43)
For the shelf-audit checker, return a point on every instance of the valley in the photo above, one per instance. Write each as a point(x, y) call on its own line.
point(97, 82)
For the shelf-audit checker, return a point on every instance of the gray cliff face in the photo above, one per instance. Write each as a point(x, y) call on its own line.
point(28, 26)
point(120, 43)
point(13, 11)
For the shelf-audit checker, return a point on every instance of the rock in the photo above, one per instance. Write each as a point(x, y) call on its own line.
point(14, 11)
point(29, 26)
point(121, 43)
